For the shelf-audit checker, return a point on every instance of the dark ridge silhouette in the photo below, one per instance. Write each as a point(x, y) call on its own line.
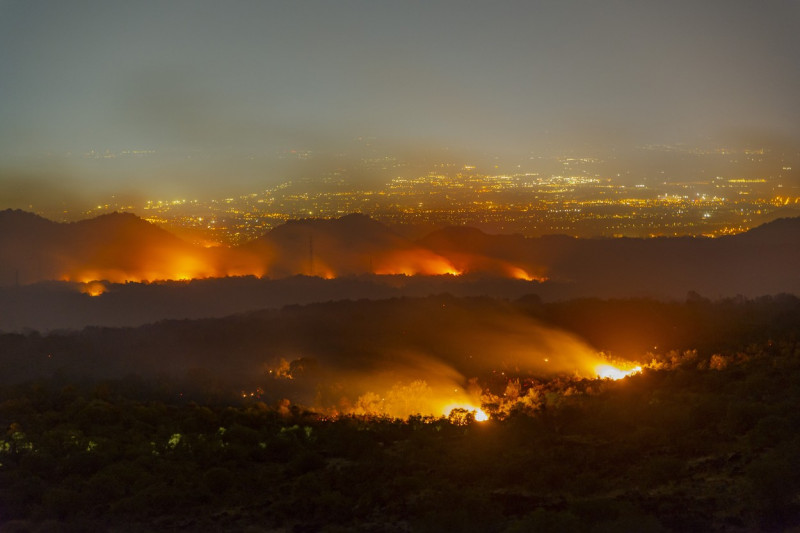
point(765, 260)
point(779, 231)
point(24, 241)
point(473, 251)
point(16, 220)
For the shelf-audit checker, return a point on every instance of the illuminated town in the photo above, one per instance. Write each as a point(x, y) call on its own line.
point(719, 192)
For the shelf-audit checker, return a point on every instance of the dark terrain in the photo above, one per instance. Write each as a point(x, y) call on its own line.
point(704, 439)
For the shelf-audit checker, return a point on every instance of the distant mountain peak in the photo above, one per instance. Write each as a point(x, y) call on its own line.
point(116, 217)
point(349, 226)
point(18, 215)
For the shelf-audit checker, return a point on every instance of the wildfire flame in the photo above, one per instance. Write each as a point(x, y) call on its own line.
point(607, 371)
point(415, 263)
point(94, 288)
point(478, 414)
point(178, 267)
point(520, 273)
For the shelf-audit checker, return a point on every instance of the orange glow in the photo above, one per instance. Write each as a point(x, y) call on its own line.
point(163, 274)
point(518, 273)
point(243, 271)
point(323, 271)
point(187, 267)
point(411, 263)
point(165, 265)
point(606, 371)
point(94, 288)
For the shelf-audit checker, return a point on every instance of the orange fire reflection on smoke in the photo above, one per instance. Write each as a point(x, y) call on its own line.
point(166, 266)
point(187, 267)
point(322, 270)
point(411, 263)
point(94, 288)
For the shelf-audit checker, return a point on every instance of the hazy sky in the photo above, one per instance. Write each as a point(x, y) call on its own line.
point(218, 89)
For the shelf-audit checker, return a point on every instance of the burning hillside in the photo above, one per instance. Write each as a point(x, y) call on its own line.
point(121, 248)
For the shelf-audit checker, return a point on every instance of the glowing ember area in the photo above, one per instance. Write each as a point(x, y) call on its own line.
point(606, 371)
point(166, 267)
point(187, 267)
point(418, 398)
point(324, 272)
point(518, 273)
point(116, 276)
point(416, 263)
point(94, 288)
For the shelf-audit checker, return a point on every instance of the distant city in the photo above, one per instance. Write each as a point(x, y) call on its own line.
point(676, 191)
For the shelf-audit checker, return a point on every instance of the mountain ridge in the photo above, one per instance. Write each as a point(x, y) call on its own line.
point(124, 247)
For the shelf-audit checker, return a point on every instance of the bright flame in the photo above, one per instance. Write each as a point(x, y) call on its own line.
point(324, 272)
point(94, 288)
point(606, 371)
point(186, 268)
point(478, 414)
point(177, 267)
point(519, 273)
point(412, 263)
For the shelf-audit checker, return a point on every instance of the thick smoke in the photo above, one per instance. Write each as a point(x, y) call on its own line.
point(400, 358)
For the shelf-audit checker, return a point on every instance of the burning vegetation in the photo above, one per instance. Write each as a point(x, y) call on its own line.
point(367, 359)
point(686, 444)
point(476, 432)
point(93, 288)
point(122, 248)
point(496, 394)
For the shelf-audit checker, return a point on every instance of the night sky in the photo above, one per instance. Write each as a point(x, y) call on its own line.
point(216, 92)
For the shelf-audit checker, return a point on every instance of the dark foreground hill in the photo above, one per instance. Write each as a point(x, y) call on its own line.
point(705, 439)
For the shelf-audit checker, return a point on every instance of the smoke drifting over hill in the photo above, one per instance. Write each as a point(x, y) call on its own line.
point(122, 248)
point(380, 356)
point(396, 356)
